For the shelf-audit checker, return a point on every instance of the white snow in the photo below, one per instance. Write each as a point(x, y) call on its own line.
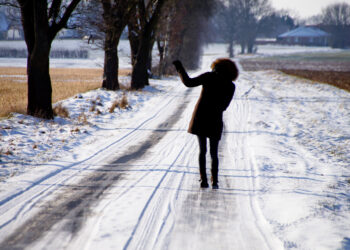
point(284, 166)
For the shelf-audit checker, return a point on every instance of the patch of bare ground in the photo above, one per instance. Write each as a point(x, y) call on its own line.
point(336, 73)
point(276, 64)
point(335, 78)
point(65, 83)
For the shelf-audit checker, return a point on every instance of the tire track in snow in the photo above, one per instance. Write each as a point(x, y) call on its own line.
point(250, 164)
point(262, 225)
point(36, 187)
point(156, 223)
point(157, 200)
point(6, 200)
point(81, 196)
point(147, 205)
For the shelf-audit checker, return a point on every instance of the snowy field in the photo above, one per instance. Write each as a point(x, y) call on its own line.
point(96, 54)
point(129, 179)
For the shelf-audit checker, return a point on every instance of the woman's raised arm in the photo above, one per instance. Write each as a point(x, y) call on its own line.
point(189, 82)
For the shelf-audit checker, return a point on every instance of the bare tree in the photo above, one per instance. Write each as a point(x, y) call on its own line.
point(41, 21)
point(336, 20)
point(90, 22)
point(336, 14)
point(226, 24)
point(162, 38)
point(103, 22)
point(195, 33)
point(184, 32)
point(116, 14)
point(147, 17)
point(275, 24)
point(250, 12)
point(168, 37)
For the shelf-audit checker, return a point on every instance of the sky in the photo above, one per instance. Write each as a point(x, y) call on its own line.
point(304, 8)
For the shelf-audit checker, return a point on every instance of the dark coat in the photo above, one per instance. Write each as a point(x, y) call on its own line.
point(216, 95)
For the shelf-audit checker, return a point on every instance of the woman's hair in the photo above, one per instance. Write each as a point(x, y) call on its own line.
point(225, 66)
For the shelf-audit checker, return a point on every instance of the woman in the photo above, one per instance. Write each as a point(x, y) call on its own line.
point(216, 95)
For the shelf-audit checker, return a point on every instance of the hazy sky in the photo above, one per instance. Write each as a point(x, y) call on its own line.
point(304, 8)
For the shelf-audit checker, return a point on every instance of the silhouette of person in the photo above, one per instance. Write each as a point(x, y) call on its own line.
point(217, 92)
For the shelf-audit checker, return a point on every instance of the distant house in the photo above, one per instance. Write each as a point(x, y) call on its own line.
point(305, 35)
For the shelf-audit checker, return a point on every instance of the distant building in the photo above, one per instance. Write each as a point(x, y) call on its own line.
point(305, 35)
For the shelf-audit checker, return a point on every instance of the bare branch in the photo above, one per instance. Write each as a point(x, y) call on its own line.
point(54, 9)
point(56, 27)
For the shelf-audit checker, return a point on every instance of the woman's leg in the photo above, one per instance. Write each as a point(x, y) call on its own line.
point(202, 152)
point(214, 145)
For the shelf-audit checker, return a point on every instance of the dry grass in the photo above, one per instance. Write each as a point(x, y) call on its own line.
point(65, 83)
point(335, 78)
point(122, 104)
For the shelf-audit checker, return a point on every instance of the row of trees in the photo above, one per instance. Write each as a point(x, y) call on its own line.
point(167, 23)
point(178, 28)
point(242, 21)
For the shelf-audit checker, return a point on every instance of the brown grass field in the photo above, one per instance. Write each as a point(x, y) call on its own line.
point(69, 82)
point(65, 83)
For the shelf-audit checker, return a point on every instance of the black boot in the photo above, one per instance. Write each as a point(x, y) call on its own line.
point(214, 179)
point(204, 184)
point(204, 180)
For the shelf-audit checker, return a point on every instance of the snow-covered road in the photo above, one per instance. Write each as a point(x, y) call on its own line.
point(129, 180)
point(149, 196)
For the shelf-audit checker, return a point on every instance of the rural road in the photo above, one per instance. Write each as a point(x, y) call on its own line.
point(142, 191)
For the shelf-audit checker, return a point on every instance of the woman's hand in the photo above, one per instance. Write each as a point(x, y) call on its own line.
point(177, 64)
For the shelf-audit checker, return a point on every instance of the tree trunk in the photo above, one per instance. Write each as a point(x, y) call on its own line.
point(134, 45)
point(139, 76)
point(251, 45)
point(111, 63)
point(134, 38)
point(38, 35)
point(39, 84)
point(230, 49)
point(115, 16)
point(161, 50)
point(36, 28)
point(250, 48)
point(149, 60)
point(242, 47)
